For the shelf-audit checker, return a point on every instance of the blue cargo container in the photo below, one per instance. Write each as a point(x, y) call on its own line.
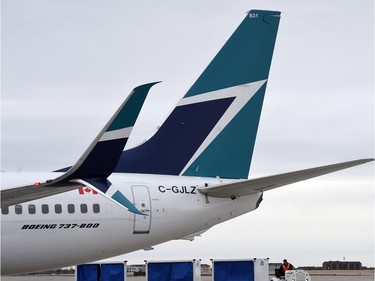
point(173, 270)
point(101, 272)
point(240, 270)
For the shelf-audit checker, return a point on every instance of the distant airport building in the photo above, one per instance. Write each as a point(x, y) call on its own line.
point(342, 265)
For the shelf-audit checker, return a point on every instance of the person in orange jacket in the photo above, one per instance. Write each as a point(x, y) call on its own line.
point(284, 267)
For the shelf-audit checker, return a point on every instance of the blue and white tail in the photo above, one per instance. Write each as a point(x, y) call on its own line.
point(212, 131)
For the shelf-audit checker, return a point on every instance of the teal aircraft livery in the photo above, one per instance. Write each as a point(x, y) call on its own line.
point(196, 165)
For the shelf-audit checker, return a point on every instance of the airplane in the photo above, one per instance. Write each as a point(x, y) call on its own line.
point(114, 201)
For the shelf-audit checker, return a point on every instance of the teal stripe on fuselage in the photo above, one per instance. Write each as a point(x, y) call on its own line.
point(121, 199)
point(230, 154)
point(245, 58)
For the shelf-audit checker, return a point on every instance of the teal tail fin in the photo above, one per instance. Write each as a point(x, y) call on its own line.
point(212, 131)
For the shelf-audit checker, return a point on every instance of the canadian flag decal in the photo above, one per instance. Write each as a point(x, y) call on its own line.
point(86, 190)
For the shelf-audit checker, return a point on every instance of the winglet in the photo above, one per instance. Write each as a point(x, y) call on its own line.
point(102, 155)
point(97, 162)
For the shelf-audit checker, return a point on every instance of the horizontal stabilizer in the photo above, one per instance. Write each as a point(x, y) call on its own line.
point(252, 186)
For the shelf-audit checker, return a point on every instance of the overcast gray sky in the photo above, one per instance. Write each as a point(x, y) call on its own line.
point(67, 66)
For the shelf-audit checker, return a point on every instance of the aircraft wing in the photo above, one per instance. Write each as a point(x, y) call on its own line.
point(233, 190)
point(96, 163)
point(27, 193)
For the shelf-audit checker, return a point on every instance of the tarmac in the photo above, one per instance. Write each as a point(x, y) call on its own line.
point(316, 275)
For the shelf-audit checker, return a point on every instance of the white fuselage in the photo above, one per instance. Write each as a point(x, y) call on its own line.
point(80, 226)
